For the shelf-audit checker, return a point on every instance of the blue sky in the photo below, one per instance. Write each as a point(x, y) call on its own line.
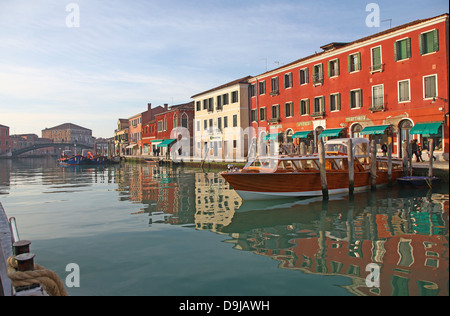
point(125, 54)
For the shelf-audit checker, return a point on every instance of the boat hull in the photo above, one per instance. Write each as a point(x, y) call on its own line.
point(261, 186)
point(73, 161)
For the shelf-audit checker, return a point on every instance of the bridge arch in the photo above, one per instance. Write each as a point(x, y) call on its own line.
point(21, 151)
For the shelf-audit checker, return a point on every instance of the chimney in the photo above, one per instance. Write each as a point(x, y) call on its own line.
point(166, 106)
point(149, 106)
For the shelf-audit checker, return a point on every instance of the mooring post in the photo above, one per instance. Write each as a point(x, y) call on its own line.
point(373, 165)
point(431, 151)
point(405, 158)
point(323, 172)
point(389, 153)
point(351, 169)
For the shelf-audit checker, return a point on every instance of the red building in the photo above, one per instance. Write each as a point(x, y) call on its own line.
point(167, 127)
point(5, 145)
point(391, 86)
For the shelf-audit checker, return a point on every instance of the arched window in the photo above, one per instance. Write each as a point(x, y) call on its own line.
point(356, 130)
point(404, 133)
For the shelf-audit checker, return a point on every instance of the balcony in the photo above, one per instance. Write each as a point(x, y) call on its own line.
point(377, 104)
point(274, 120)
point(317, 79)
point(376, 68)
point(320, 114)
point(275, 93)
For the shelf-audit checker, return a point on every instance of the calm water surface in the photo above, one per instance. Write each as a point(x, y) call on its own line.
point(137, 229)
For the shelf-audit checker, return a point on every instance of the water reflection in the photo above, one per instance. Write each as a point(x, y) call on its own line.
point(405, 232)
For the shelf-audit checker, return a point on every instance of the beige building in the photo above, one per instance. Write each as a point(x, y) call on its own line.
point(69, 133)
point(221, 122)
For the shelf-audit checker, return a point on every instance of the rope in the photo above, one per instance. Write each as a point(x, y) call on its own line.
point(48, 279)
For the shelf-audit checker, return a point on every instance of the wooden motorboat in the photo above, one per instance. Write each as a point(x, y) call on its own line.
point(299, 176)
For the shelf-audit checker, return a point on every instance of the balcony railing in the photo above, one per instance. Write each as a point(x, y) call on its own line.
point(317, 78)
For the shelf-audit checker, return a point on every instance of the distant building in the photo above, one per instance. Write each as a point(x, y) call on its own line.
point(4, 140)
point(69, 133)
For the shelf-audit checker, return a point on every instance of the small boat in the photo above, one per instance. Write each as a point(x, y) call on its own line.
point(418, 181)
point(67, 159)
point(289, 176)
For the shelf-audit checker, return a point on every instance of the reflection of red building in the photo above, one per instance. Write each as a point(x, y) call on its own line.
point(383, 85)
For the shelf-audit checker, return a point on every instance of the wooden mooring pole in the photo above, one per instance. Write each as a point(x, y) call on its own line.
point(323, 172)
point(431, 151)
point(351, 169)
point(373, 165)
point(389, 153)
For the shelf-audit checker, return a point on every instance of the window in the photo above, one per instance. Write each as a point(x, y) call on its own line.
point(234, 97)
point(235, 120)
point(225, 121)
point(333, 68)
point(402, 49)
point(355, 99)
point(429, 42)
point(304, 107)
point(198, 105)
point(219, 102)
point(429, 87)
point(184, 120)
point(198, 126)
point(376, 60)
point(288, 80)
point(403, 91)
point(160, 126)
point(262, 114)
point(289, 109)
point(205, 125)
point(377, 97)
point(317, 75)
point(211, 104)
point(175, 121)
point(262, 87)
point(275, 112)
point(335, 102)
point(219, 123)
point(252, 90)
point(225, 99)
point(304, 77)
point(354, 62)
point(210, 125)
point(274, 86)
point(319, 106)
point(205, 104)
point(253, 115)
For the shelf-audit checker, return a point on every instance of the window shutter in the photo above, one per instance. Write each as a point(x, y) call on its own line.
point(323, 104)
point(329, 102)
point(359, 61)
point(421, 44)
point(360, 98)
point(396, 45)
point(307, 75)
point(350, 99)
point(349, 63)
point(338, 101)
point(337, 68)
point(436, 40)
point(329, 68)
point(307, 107)
point(408, 47)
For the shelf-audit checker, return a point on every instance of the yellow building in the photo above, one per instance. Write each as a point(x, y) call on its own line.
point(221, 122)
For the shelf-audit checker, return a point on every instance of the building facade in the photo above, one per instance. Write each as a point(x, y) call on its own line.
point(390, 87)
point(69, 133)
point(5, 145)
point(221, 120)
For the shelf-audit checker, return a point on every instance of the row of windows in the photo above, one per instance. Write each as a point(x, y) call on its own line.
point(428, 43)
point(355, 100)
point(221, 100)
point(222, 122)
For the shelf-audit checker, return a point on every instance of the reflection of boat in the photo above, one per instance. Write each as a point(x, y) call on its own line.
point(298, 176)
point(419, 181)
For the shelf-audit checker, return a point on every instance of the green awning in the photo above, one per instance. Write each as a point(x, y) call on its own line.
point(272, 136)
point(156, 140)
point(303, 134)
point(166, 143)
point(331, 132)
point(426, 129)
point(374, 130)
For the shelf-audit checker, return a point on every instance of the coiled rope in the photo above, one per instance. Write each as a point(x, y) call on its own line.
point(50, 281)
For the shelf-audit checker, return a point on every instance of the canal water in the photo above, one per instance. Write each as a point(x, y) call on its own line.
point(140, 229)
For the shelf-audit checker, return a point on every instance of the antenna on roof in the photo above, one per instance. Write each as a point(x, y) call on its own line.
point(390, 22)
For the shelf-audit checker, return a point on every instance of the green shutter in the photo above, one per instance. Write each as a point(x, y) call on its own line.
point(421, 48)
point(338, 101)
point(408, 47)
point(308, 111)
point(360, 98)
point(395, 51)
point(329, 69)
point(337, 68)
point(323, 104)
point(349, 63)
point(436, 40)
point(376, 58)
point(329, 103)
point(359, 61)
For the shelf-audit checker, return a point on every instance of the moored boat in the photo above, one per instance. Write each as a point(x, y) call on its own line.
point(418, 181)
point(67, 159)
point(299, 176)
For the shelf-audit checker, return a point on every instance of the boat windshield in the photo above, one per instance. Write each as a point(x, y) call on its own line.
point(262, 162)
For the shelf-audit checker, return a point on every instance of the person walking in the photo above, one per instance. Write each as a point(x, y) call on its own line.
point(419, 153)
point(414, 149)
point(384, 149)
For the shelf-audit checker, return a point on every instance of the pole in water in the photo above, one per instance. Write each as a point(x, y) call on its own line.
point(351, 170)
point(323, 173)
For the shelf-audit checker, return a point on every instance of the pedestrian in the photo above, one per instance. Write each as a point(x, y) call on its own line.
point(426, 147)
point(419, 152)
point(384, 149)
point(415, 149)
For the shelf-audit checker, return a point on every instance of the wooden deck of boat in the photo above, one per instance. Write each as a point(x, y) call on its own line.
point(5, 253)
